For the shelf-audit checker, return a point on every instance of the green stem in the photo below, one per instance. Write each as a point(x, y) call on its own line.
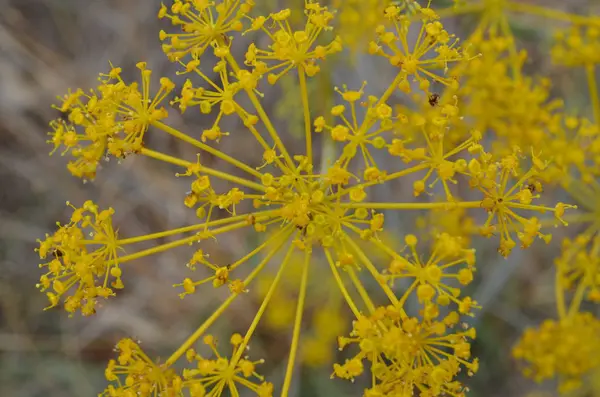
point(297, 324)
point(593, 88)
point(306, 111)
point(215, 315)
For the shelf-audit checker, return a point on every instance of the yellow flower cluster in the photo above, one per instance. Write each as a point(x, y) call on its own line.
point(202, 22)
point(291, 49)
point(217, 375)
point(406, 353)
point(512, 109)
point(137, 375)
point(518, 110)
point(577, 46)
point(432, 278)
point(579, 268)
point(355, 13)
point(83, 256)
point(434, 50)
point(109, 121)
point(568, 348)
point(296, 202)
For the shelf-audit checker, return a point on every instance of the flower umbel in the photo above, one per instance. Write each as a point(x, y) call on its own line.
point(292, 49)
point(135, 374)
point(291, 205)
point(568, 348)
point(407, 353)
point(430, 279)
point(83, 258)
point(203, 23)
point(109, 121)
point(433, 50)
point(213, 376)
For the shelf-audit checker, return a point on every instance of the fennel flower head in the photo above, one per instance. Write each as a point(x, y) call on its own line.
point(299, 207)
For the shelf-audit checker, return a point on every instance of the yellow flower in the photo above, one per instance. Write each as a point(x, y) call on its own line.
point(433, 50)
point(203, 23)
point(294, 205)
point(515, 108)
point(83, 256)
point(503, 201)
point(292, 49)
point(135, 374)
point(431, 280)
point(357, 20)
point(567, 349)
point(578, 268)
point(407, 353)
point(213, 376)
point(111, 121)
point(577, 46)
point(574, 147)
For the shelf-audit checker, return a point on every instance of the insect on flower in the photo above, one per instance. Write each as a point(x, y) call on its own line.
point(434, 99)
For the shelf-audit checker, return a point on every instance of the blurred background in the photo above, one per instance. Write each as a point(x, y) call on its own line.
point(48, 46)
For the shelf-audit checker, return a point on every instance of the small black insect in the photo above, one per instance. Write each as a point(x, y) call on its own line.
point(531, 187)
point(434, 99)
point(225, 39)
point(302, 229)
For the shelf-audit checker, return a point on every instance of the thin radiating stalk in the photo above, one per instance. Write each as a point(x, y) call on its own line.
point(306, 111)
point(389, 177)
point(590, 70)
point(217, 153)
point(522, 7)
point(413, 206)
point(341, 286)
point(217, 313)
point(560, 297)
point(263, 116)
point(374, 272)
point(263, 307)
point(361, 290)
point(297, 324)
point(461, 10)
point(177, 243)
point(259, 216)
point(209, 171)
